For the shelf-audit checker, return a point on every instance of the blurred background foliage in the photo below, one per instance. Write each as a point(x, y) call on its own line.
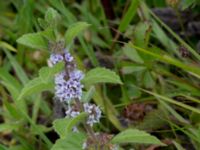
point(153, 45)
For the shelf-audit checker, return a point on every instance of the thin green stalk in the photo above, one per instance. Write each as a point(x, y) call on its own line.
point(190, 49)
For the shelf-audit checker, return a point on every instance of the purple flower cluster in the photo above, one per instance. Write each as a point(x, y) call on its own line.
point(58, 57)
point(94, 113)
point(66, 90)
point(68, 86)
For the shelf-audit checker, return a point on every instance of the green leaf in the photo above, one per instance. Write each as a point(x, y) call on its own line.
point(74, 30)
point(33, 40)
point(168, 59)
point(73, 141)
point(188, 3)
point(148, 80)
point(12, 85)
point(133, 68)
point(173, 112)
point(64, 126)
point(177, 145)
point(51, 16)
point(129, 15)
point(49, 34)
point(12, 110)
point(46, 73)
point(132, 54)
point(163, 38)
point(7, 46)
point(8, 127)
point(180, 104)
point(88, 95)
point(34, 86)
point(101, 75)
point(2, 147)
point(142, 34)
point(43, 82)
point(18, 69)
point(136, 136)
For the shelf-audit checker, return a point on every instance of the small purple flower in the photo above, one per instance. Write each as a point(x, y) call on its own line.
point(66, 90)
point(94, 113)
point(72, 112)
point(68, 57)
point(55, 58)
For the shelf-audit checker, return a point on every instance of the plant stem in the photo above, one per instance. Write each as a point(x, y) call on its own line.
point(87, 127)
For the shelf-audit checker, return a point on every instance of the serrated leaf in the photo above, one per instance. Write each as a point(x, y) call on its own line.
point(64, 126)
point(74, 30)
point(101, 75)
point(33, 40)
point(136, 136)
point(73, 141)
point(34, 86)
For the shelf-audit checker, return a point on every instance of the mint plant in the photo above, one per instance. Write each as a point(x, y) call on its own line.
point(75, 89)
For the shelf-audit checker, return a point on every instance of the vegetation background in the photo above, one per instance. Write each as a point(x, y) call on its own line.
point(152, 45)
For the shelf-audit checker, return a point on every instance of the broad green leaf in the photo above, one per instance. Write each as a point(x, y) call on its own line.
point(74, 30)
point(34, 86)
point(43, 82)
point(136, 136)
point(101, 75)
point(73, 141)
point(33, 40)
point(128, 15)
point(64, 126)
point(132, 54)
